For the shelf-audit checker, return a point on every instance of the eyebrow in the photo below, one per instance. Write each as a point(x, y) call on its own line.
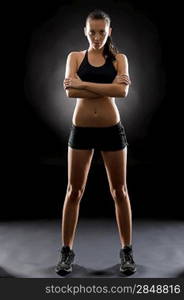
point(99, 30)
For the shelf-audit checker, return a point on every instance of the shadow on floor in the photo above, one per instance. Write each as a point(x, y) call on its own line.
point(5, 274)
point(79, 271)
point(180, 274)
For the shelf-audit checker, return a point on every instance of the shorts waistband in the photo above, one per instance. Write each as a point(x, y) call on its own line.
point(106, 127)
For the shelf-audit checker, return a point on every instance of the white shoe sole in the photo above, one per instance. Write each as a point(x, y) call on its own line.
point(63, 270)
point(128, 270)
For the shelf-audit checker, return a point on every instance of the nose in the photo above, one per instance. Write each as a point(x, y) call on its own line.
point(97, 37)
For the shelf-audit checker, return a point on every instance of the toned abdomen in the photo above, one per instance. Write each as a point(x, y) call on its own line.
point(94, 112)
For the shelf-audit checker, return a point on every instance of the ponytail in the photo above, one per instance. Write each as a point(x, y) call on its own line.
point(109, 49)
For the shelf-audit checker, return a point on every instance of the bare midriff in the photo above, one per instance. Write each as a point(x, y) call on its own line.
point(96, 112)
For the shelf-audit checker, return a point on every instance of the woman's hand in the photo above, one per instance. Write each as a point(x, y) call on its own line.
point(122, 79)
point(75, 83)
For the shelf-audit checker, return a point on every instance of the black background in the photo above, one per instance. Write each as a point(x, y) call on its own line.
point(33, 188)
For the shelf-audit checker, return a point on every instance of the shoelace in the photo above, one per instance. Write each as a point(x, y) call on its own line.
point(66, 257)
point(128, 257)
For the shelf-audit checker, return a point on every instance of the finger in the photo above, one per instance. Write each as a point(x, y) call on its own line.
point(125, 80)
point(124, 77)
point(66, 85)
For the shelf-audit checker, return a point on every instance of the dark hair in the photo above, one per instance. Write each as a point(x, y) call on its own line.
point(109, 49)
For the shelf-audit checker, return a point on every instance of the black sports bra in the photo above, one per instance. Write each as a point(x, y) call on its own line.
point(102, 74)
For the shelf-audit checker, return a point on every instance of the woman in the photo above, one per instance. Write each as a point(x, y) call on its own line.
point(95, 77)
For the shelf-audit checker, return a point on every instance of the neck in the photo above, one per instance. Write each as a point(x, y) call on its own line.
point(95, 51)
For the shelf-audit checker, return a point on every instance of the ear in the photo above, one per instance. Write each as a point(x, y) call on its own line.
point(110, 30)
point(85, 31)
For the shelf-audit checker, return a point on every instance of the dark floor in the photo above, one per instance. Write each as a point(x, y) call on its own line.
point(30, 249)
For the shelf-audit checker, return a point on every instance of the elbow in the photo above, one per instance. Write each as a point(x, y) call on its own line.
point(69, 93)
point(123, 94)
point(123, 91)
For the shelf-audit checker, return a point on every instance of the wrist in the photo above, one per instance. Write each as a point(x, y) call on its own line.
point(84, 85)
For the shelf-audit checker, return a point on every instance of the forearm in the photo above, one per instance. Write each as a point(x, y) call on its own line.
point(81, 93)
point(106, 89)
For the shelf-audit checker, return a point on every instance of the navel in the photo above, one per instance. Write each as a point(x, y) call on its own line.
point(95, 111)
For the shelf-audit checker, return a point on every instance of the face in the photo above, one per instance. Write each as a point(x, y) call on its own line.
point(97, 32)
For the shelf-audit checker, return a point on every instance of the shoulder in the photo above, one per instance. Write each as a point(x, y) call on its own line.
point(72, 58)
point(74, 54)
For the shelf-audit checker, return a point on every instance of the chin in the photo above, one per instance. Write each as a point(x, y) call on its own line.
point(97, 46)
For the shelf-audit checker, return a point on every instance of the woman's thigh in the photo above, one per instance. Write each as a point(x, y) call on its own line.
point(115, 164)
point(79, 162)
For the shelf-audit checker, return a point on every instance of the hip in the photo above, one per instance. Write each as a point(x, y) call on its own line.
point(102, 138)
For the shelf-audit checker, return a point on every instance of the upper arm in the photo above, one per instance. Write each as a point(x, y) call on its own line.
point(71, 69)
point(71, 65)
point(122, 64)
point(122, 69)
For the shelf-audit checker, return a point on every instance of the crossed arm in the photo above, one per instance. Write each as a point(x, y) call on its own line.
point(76, 88)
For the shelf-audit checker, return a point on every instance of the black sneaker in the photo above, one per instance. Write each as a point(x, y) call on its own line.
point(128, 265)
point(65, 262)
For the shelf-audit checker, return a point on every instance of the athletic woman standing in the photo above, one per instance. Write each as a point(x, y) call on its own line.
point(95, 77)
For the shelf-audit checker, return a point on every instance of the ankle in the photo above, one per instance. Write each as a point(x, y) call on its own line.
point(66, 247)
point(127, 246)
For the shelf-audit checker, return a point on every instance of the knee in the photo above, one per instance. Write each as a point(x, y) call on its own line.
point(119, 193)
point(74, 193)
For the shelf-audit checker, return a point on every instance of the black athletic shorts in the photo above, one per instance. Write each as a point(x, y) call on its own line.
point(109, 138)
